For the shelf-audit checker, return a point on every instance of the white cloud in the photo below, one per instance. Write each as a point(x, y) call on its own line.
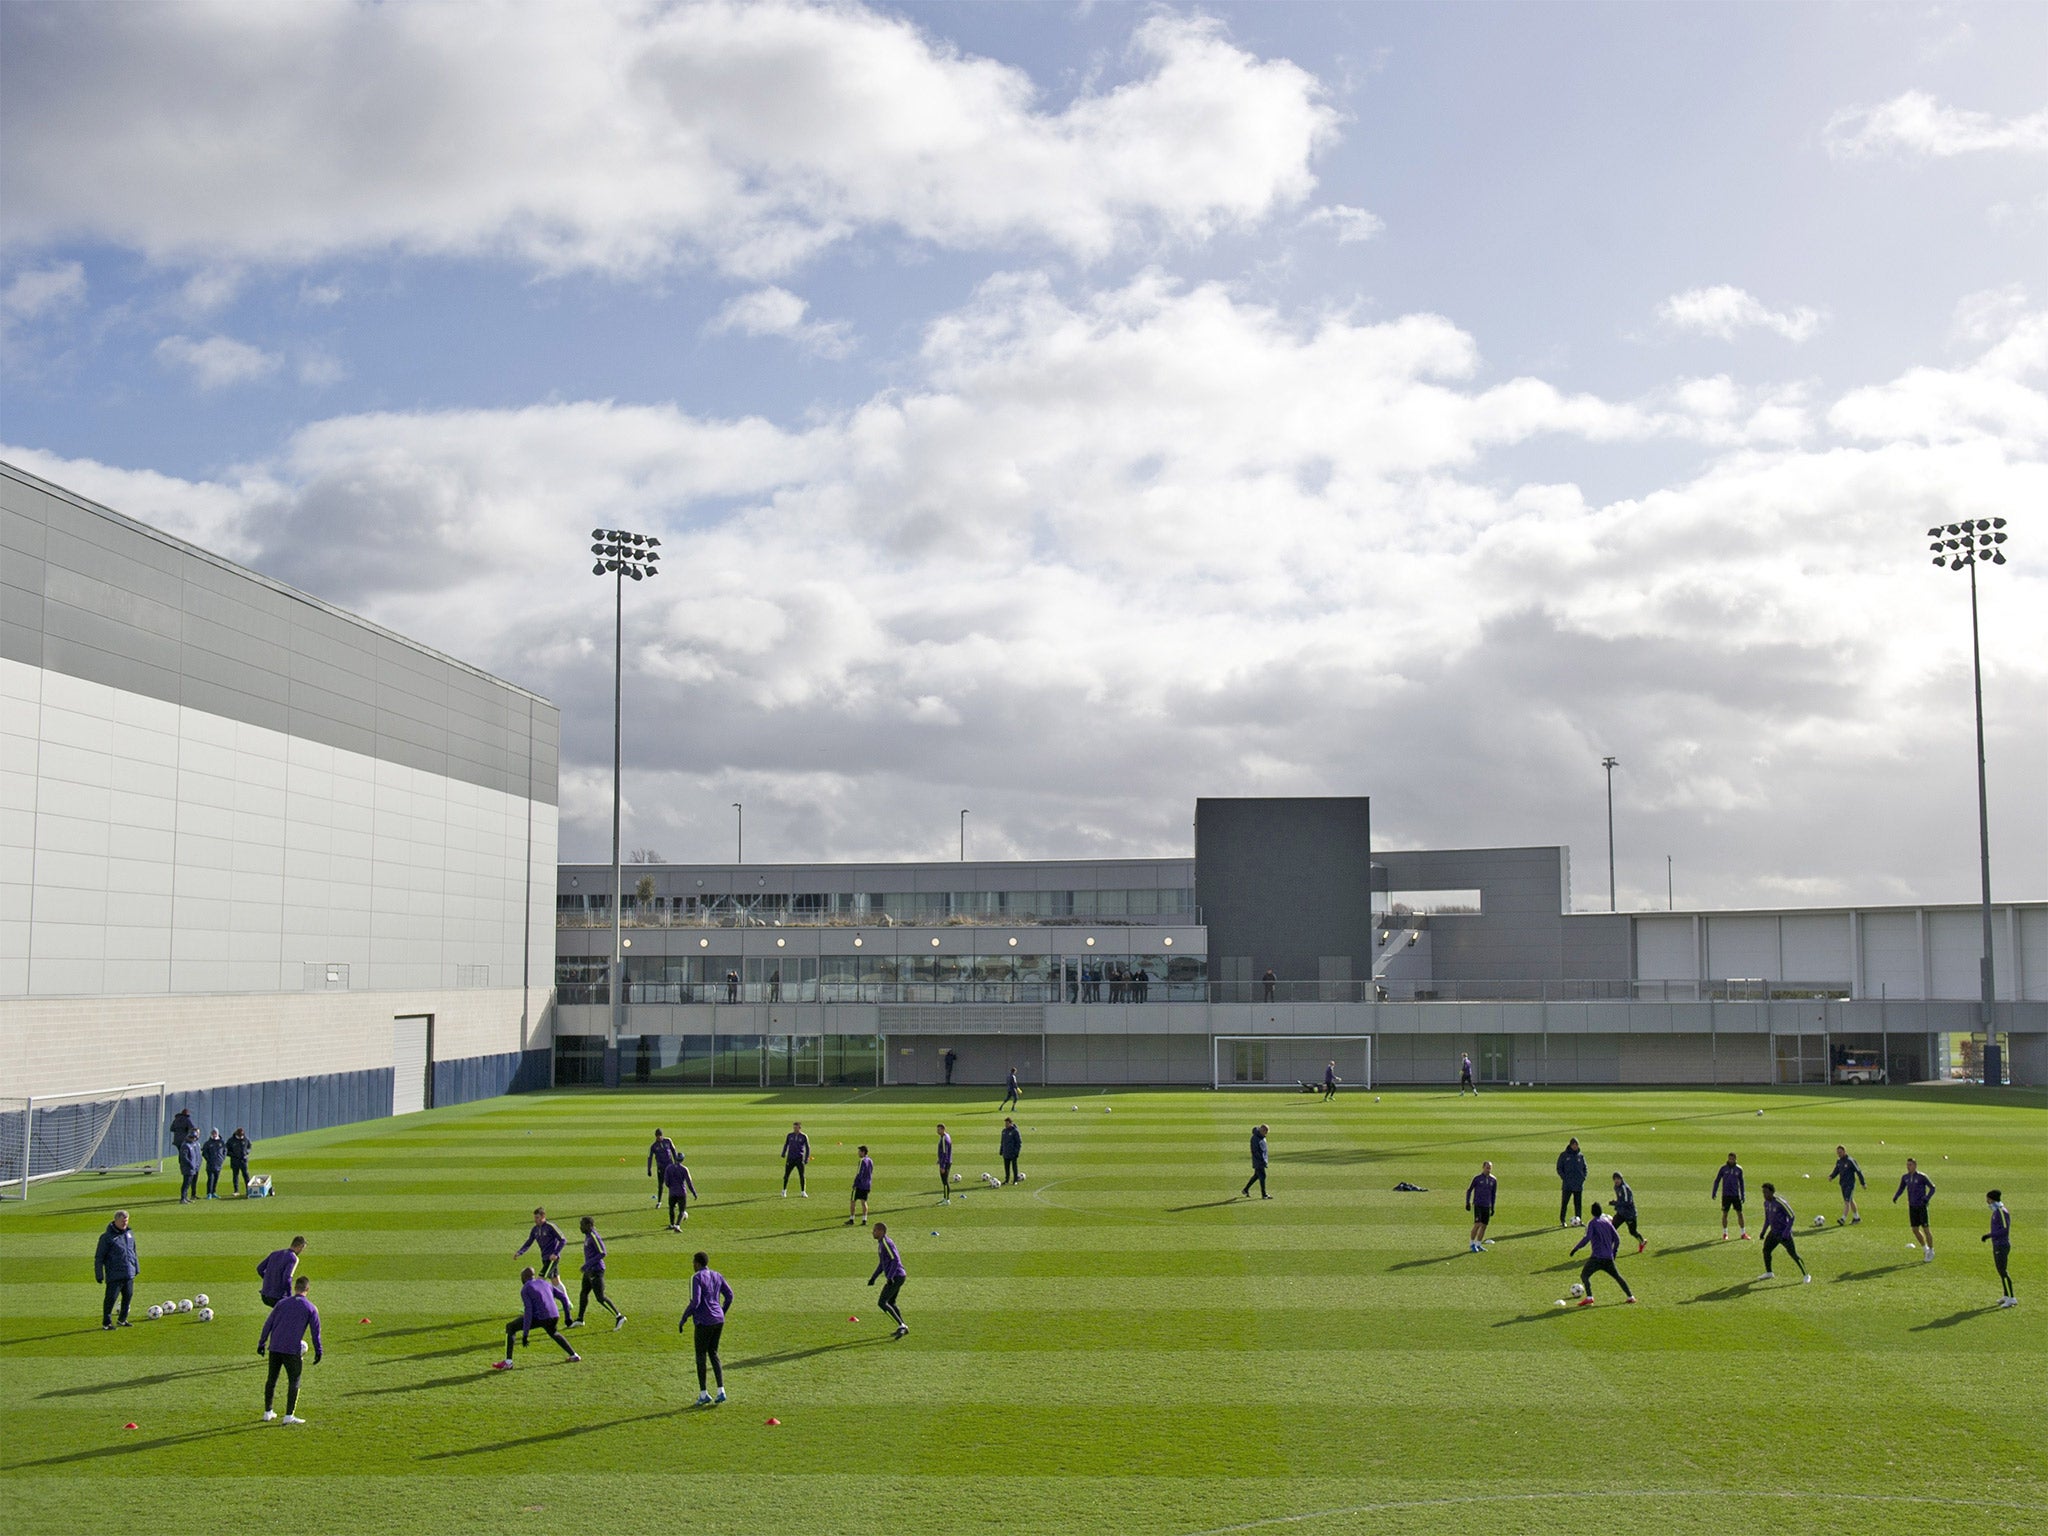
point(210, 289)
point(320, 295)
point(42, 289)
point(1725, 310)
point(1353, 226)
point(1916, 126)
point(320, 369)
point(216, 362)
point(1099, 554)
point(775, 311)
point(622, 136)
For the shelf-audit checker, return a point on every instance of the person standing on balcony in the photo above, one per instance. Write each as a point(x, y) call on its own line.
point(1271, 983)
point(775, 985)
point(732, 986)
point(796, 1158)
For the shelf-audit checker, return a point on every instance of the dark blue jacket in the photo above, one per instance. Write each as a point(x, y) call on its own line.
point(215, 1151)
point(188, 1156)
point(115, 1258)
point(1258, 1150)
point(239, 1147)
point(1571, 1168)
point(1013, 1141)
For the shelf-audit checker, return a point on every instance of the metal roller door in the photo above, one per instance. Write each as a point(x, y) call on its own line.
point(412, 1063)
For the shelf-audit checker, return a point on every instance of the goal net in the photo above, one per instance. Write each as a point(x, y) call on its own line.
point(1289, 1061)
point(48, 1136)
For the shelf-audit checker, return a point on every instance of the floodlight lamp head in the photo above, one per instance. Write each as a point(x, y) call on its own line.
point(652, 542)
point(598, 569)
point(1998, 522)
point(1934, 533)
point(1940, 560)
point(597, 533)
point(1953, 528)
point(633, 571)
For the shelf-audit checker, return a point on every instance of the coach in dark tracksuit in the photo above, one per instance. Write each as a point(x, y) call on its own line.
point(115, 1266)
point(1259, 1160)
point(213, 1152)
point(239, 1148)
point(1571, 1178)
point(1012, 1146)
point(183, 1128)
point(188, 1171)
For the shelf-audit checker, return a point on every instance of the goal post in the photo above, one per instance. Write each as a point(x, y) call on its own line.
point(1289, 1061)
point(46, 1136)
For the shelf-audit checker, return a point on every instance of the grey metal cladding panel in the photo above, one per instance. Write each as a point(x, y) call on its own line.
point(112, 600)
point(207, 609)
point(22, 532)
point(323, 726)
point(22, 571)
point(117, 566)
point(102, 632)
point(21, 642)
point(321, 673)
point(408, 754)
point(202, 694)
point(306, 699)
point(114, 671)
point(244, 673)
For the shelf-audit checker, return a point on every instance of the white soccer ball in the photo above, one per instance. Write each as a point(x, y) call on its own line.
point(1759, 1114)
point(155, 1313)
point(1820, 1221)
point(1021, 1177)
point(206, 1314)
point(170, 1307)
point(185, 1305)
point(1560, 1303)
point(1107, 1110)
point(956, 1178)
point(1578, 1289)
point(201, 1301)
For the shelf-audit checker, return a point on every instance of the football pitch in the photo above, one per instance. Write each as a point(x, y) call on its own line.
point(1119, 1344)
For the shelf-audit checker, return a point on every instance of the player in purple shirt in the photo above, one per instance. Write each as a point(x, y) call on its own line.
point(680, 1186)
point(1479, 1195)
point(1778, 1221)
point(1728, 1185)
point(660, 1154)
point(277, 1269)
point(1330, 1081)
point(1465, 1083)
point(889, 1265)
point(1918, 1190)
point(548, 1238)
point(1605, 1243)
point(2000, 1239)
point(709, 1298)
point(284, 1339)
point(593, 1276)
point(541, 1305)
point(796, 1159)
point(863, 1185)
point(945, 1166)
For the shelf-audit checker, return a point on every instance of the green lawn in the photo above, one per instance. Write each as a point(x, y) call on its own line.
point(1117, 1345)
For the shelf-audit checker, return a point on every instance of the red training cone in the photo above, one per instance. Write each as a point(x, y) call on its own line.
point(130, 1426)
point(773, 1424)
point(852, 1319)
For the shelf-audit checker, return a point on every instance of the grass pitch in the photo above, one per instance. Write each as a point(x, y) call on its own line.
point(1117, 1345)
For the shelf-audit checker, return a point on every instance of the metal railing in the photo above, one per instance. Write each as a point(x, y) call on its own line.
point(1076, 991)
point(872, 922)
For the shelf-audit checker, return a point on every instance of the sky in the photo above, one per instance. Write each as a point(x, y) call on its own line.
point(1063, 412)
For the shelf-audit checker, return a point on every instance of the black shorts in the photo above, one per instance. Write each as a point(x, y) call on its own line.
point(1728, 1205)
point(860, 1192)
point(1916, 1215)
point(1482, 1214)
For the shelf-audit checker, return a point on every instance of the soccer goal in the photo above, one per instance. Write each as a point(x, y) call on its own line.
point(50, 1135)
point(1289, 1061)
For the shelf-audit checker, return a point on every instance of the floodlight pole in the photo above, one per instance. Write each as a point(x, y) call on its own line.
point(1972, 542)
point(1610, 764)
point(963, 837)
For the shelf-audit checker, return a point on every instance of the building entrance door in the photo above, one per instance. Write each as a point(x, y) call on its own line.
point(1496, 1061)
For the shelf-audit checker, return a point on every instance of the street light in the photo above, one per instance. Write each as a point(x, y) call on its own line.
point(1610, 764)
point(1964, 546)
point(620, 555)
point(963, 837)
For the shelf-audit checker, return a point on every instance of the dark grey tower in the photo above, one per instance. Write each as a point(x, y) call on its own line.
point(1285, 885)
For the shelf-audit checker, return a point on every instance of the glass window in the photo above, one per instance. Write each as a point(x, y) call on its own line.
point(1144, 903)
point(1084, 903)
point(1112, 903)
point(582, 979)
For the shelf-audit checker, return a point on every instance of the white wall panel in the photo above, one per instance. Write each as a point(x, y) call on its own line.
point(1743, 946)
point(150, 847)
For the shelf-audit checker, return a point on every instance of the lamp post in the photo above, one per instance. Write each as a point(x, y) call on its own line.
point(1964, 546)
point(963, 837)
point(739, 852)
point(1610, 764)
point(620, 555)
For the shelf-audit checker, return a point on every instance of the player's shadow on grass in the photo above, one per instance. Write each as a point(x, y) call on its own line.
point(406, 1333)
point(570, 1433)
point(1872, 1274)
point(1435, 1258)
point(1535, 1317)
point(432, 1354)
point(158, 1380)
point(1334, 1157)
point(789, 1355)
point(467, 1378)
point(1685, 1248)
point(1203, 1205)
point(131, 1447)
point(39, 1338)
point(1952, 1319)
point(1726, 1293)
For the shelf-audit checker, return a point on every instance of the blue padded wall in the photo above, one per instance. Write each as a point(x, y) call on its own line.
point(486, 1077)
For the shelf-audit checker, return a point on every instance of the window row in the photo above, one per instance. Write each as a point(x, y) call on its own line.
point(1004, 978)
point(854, 909)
